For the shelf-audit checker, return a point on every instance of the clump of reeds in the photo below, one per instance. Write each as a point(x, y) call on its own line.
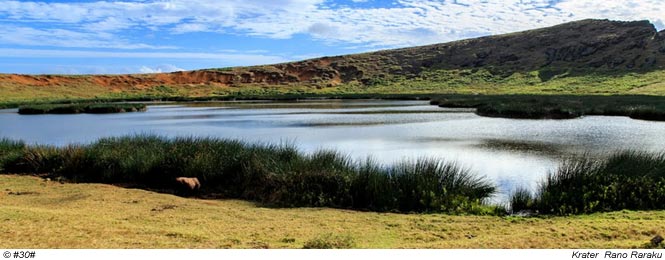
point(10, 150)
point(626, 180)
point(273, 174)
point(521, 199)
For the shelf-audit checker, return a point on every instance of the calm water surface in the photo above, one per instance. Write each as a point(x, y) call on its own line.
point(508, 151)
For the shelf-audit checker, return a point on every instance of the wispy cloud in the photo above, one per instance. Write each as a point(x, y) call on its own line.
point(159, 69)
point(407, 22)
point(57, 37)
point(224, 58)
point(30, 68)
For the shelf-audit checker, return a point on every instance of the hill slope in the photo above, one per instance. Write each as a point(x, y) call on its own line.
point(599, 51)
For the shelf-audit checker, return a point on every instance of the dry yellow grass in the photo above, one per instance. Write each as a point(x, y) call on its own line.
point(44, 214)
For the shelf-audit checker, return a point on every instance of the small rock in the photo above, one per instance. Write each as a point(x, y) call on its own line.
point(189, 183)
point(656, 240)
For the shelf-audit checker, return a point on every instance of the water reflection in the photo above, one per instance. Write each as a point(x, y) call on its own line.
point(509, 151)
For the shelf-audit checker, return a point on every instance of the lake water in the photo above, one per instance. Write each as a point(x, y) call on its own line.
point(509, 151)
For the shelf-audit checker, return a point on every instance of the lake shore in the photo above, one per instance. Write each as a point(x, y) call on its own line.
point(214, 98)
point(558, 106)
point(88, 108)
point(519, 106)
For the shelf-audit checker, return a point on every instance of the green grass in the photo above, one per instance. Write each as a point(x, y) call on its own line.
point(91, 108)
point(627, 180)
point(542, 82)
point(276, 175)
point(558, 106)
point(37, 213)
point(484, 81)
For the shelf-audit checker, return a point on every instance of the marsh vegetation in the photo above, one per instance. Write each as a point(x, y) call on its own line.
point(558, 106)
point(280, 175)
point(77, 108)
point(277, 175)
point(625, 180)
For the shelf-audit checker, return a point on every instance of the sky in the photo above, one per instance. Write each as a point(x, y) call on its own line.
point(149, 36)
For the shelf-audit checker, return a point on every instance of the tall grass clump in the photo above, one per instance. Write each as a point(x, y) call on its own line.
point(431, 185)
point(322, 178)
point(277, 175)
point(521, 199)
point(10, 150)
point(627, 180)
point(423, 185)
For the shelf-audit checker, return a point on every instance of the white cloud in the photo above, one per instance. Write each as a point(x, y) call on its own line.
point(225, 59)
point(108, 24)
point(27, 36)
point(190, 27)
point(159, 69)
point(407, 22)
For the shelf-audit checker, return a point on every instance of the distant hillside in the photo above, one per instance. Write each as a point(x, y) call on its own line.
point(588, 56)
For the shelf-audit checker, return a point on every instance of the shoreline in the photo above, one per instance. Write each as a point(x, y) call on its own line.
point(519, 106)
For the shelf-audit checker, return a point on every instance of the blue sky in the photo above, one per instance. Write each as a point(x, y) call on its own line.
point(144, 36)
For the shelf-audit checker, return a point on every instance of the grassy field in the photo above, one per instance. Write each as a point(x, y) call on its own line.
point(47, 214)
